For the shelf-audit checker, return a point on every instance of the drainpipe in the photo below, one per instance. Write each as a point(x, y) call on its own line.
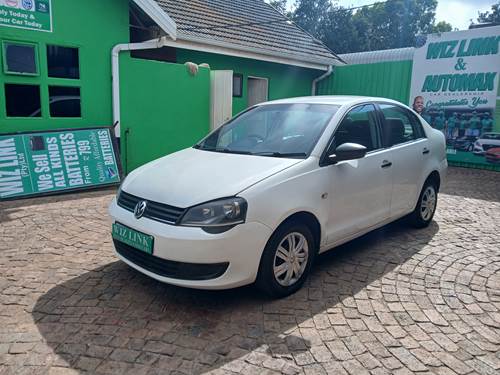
point(320, 78)
point(115, 67)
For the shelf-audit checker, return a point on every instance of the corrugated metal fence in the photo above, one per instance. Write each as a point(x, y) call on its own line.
point(390, 79)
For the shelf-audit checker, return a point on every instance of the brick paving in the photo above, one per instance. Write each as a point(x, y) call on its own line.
point(397, 301)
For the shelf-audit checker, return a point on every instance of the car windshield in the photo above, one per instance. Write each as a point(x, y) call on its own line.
point(276, 130)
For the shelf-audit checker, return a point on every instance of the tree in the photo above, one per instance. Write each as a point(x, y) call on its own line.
point(383, 25)
point(311, 15)
point(342, 33)
point(279, 5)
point(493, 16)
point(396, 23)
point(442, 27)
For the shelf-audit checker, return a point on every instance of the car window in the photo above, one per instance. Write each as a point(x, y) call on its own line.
point(359, 126)
point(400, 125)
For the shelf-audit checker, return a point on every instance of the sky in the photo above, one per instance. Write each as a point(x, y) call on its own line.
point(457, 12)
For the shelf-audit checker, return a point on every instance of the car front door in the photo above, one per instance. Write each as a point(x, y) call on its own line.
point(360, 190)
point(410, 149)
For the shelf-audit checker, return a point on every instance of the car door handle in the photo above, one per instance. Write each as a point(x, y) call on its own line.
point(386, 164)
point(426, 151)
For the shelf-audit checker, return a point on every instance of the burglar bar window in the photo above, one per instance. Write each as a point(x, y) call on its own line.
point(20, 58)
point(63, 62)
point(65, 101)
point(22, 100)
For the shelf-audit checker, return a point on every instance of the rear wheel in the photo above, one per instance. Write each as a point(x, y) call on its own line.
point(287, 260)
point(426, 206)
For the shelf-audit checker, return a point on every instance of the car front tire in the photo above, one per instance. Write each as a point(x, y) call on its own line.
point(423, 214)
point(287, 260)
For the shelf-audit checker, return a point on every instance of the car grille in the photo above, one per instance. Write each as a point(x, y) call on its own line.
point(154, 211)
point(169, 268)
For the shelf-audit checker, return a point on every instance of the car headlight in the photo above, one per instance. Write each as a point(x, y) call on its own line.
point(221, 213)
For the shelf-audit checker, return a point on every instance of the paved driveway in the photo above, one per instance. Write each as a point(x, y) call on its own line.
point(396, 301)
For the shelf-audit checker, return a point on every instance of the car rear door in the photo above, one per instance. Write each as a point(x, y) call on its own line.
point(405, 136)
point(360, 190)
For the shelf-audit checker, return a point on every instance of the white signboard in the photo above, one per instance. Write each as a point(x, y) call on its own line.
point(458, 69)
point(455, 88)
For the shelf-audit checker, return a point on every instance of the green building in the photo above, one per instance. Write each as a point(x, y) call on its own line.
point(79, 64)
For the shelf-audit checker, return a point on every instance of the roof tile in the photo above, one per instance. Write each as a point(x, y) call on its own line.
point(245, 23)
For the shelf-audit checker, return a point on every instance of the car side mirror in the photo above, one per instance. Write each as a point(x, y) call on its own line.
point(348, 151)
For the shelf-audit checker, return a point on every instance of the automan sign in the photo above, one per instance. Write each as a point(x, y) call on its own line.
point(51, 162)
point(26, 14)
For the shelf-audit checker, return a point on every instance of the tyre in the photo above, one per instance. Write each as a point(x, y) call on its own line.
point(423, 214)
point(470, 148)
point(287, 260)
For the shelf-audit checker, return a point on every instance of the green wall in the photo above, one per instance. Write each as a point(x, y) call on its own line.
point(387, 79)
point(164, 109)
point(94, 26)
point(284, 81)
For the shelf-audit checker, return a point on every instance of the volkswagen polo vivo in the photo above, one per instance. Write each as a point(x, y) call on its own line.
point(260, 197)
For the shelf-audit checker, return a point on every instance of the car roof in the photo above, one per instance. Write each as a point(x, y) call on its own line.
point(341, 100)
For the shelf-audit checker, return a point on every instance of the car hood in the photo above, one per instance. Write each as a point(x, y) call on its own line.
point(190, 177)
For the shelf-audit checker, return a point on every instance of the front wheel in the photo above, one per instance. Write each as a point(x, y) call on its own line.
point(287, 260)
point(423, 214)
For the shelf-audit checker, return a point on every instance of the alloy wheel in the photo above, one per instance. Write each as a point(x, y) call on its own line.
point(290, 260)
point(428, 205)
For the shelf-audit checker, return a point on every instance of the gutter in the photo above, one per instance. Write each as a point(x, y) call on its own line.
point(225, 48)
point(320, 78)
point(115, 72)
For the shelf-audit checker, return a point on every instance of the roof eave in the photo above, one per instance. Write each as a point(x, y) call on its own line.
point(159, 16)
point(231, 49)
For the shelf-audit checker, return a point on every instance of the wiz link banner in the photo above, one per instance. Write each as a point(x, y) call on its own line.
point(39, 163)
point(26, 14)
point(455, 88)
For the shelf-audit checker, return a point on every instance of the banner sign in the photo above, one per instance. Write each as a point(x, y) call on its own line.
point(43, 163)
point(455, 88)
point(26, 14)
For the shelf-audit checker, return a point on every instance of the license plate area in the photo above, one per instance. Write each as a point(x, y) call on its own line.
point(133, 238)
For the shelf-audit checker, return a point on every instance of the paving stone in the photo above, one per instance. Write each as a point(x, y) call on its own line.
point(397, 301)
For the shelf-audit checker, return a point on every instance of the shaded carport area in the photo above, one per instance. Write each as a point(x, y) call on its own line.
point(397, 300)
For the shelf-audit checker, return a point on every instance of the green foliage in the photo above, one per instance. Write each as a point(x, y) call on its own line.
point(279, 5)
point(384, 25)
point(442, 27)
point(493, 16)
point(311, 15)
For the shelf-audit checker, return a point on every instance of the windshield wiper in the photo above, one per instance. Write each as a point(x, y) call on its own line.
point(281, 154)
point(223, 150)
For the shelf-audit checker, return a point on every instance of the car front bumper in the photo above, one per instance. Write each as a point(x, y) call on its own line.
point(493, 158)
point(239, 249)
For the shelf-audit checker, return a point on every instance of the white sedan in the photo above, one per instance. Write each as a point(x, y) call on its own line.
point(260, 197)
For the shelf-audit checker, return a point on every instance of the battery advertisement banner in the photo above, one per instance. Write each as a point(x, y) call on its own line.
point(43, 163)
point(26, 14)
point(455, 88)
